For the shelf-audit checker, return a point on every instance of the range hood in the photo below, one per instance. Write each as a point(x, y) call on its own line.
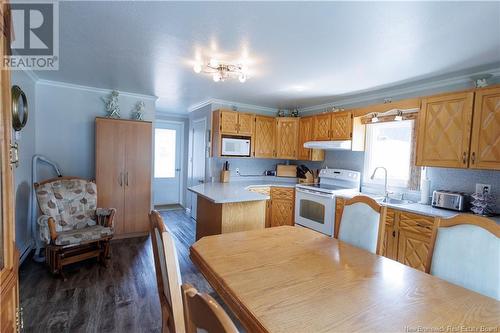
point(329, 145)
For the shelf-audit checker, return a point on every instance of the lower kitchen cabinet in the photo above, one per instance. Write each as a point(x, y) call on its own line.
point(415, 233)
point(266, 191)
point(407, 236)
point(390, 246)
point(282, 206)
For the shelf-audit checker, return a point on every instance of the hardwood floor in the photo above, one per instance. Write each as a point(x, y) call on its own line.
point(120, 298)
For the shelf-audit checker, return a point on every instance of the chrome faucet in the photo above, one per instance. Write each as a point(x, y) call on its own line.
point(386, 193)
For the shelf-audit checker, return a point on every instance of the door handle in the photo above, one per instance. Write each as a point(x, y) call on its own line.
point(177, 170)
point(126, 178)
point(201, 181)
point(120, 180)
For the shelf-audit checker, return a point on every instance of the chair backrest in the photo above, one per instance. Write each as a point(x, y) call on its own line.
point(168, 275)
point(70, 201)
point(465, 250)
point(362, 223)
point(202, 312)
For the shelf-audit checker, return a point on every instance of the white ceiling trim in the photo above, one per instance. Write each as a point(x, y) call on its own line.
point(210, 101)
point(93, 89)
point(392, 92)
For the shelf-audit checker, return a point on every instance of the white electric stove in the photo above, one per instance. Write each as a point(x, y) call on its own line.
point(315, 203)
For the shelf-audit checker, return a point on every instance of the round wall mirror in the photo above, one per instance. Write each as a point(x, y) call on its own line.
point(19, 108)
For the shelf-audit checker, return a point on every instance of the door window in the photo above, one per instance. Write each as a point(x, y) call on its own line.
point(164, 159)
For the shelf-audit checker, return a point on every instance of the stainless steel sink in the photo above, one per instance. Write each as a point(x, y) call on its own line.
point(393, 201)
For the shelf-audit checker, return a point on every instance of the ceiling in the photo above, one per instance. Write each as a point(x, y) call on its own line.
point(299, 54)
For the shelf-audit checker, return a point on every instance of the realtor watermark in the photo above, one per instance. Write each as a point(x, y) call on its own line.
point(451, 328)
point(35, 36)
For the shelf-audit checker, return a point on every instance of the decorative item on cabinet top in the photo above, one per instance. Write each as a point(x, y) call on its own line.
point(19, 113)
point(138, 112)
point(112, 106)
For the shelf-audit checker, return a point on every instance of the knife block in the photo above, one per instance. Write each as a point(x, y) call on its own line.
point(224, 176)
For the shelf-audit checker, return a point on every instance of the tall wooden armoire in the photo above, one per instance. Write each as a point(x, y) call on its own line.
point(123, 151)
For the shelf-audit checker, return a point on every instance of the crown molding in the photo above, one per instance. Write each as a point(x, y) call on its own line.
point(93, 89)
point(210, 101)
point(160, 114)
point(408, 88)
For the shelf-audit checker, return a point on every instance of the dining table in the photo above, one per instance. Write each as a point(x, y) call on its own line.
point(293, 279)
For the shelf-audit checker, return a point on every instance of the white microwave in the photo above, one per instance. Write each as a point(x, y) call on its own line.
point(235, 147)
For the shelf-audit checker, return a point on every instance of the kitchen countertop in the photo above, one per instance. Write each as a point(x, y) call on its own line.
point(237, 191)
point(415, 207)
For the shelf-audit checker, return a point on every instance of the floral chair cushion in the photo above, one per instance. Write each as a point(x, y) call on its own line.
point(70, 202)
point(78, 236)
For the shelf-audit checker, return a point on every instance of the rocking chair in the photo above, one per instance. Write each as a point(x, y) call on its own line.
point(71, 224)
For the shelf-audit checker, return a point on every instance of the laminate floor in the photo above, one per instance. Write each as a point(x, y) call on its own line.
point(120, 298)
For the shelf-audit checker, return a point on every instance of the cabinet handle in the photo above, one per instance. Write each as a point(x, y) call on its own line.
point(120, 180)
point(464, 161)
point(126, 178)
point(394, 233)
point(473, 157)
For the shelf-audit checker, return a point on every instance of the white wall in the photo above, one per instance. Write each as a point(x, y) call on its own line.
point(65, 128)
point(22, 174)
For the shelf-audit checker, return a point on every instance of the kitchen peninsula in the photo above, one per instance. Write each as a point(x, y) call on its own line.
point(242, 205)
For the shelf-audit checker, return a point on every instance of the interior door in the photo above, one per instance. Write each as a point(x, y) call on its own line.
point(199, 151)
point(9, 256)
point(110, 167)
point(138, 155)
point(167, 163)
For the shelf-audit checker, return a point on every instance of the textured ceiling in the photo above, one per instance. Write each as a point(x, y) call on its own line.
point(300, 54)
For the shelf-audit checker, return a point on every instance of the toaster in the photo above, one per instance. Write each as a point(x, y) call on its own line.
point(449, 200)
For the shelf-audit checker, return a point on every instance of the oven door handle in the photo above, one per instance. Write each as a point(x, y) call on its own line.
point(319, 194)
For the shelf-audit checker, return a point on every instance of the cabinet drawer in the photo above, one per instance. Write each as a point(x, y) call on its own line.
point(283, 193)
point(416, 223)
point(261, 190)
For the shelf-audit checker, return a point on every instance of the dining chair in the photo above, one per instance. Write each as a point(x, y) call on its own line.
point(202, 312)
point(168, 275)
point(465, 250)
point(362, 223)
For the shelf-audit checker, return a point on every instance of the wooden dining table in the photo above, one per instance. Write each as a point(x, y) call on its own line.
point(292, 279)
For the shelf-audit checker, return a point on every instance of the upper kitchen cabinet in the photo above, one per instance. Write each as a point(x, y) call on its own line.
point(485, 139)
point(287, 137)
point(444, 130)
point(322, 126)
point(232, 122)
point(341, 126)
point(333, 126)
point(305, 135)
point(265, 137)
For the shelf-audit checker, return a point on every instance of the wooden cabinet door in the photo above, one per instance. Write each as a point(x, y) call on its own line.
point(138, 157)
point(228, 122)
point(414, 239)
point(282, 206)
point(245, 123)
point(265, 137)
point(287, 135)
point(9, 263)
point(485, 140)
point(444, 130)
point(389, 247)
point(305, 134)
point(341, 126)
point(110, 167)
point(322, 127)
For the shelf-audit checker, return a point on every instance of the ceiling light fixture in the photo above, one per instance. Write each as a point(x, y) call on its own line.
point(222, 71)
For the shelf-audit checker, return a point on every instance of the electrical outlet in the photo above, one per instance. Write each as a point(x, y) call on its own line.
point(238, 171)
point(483, 188)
